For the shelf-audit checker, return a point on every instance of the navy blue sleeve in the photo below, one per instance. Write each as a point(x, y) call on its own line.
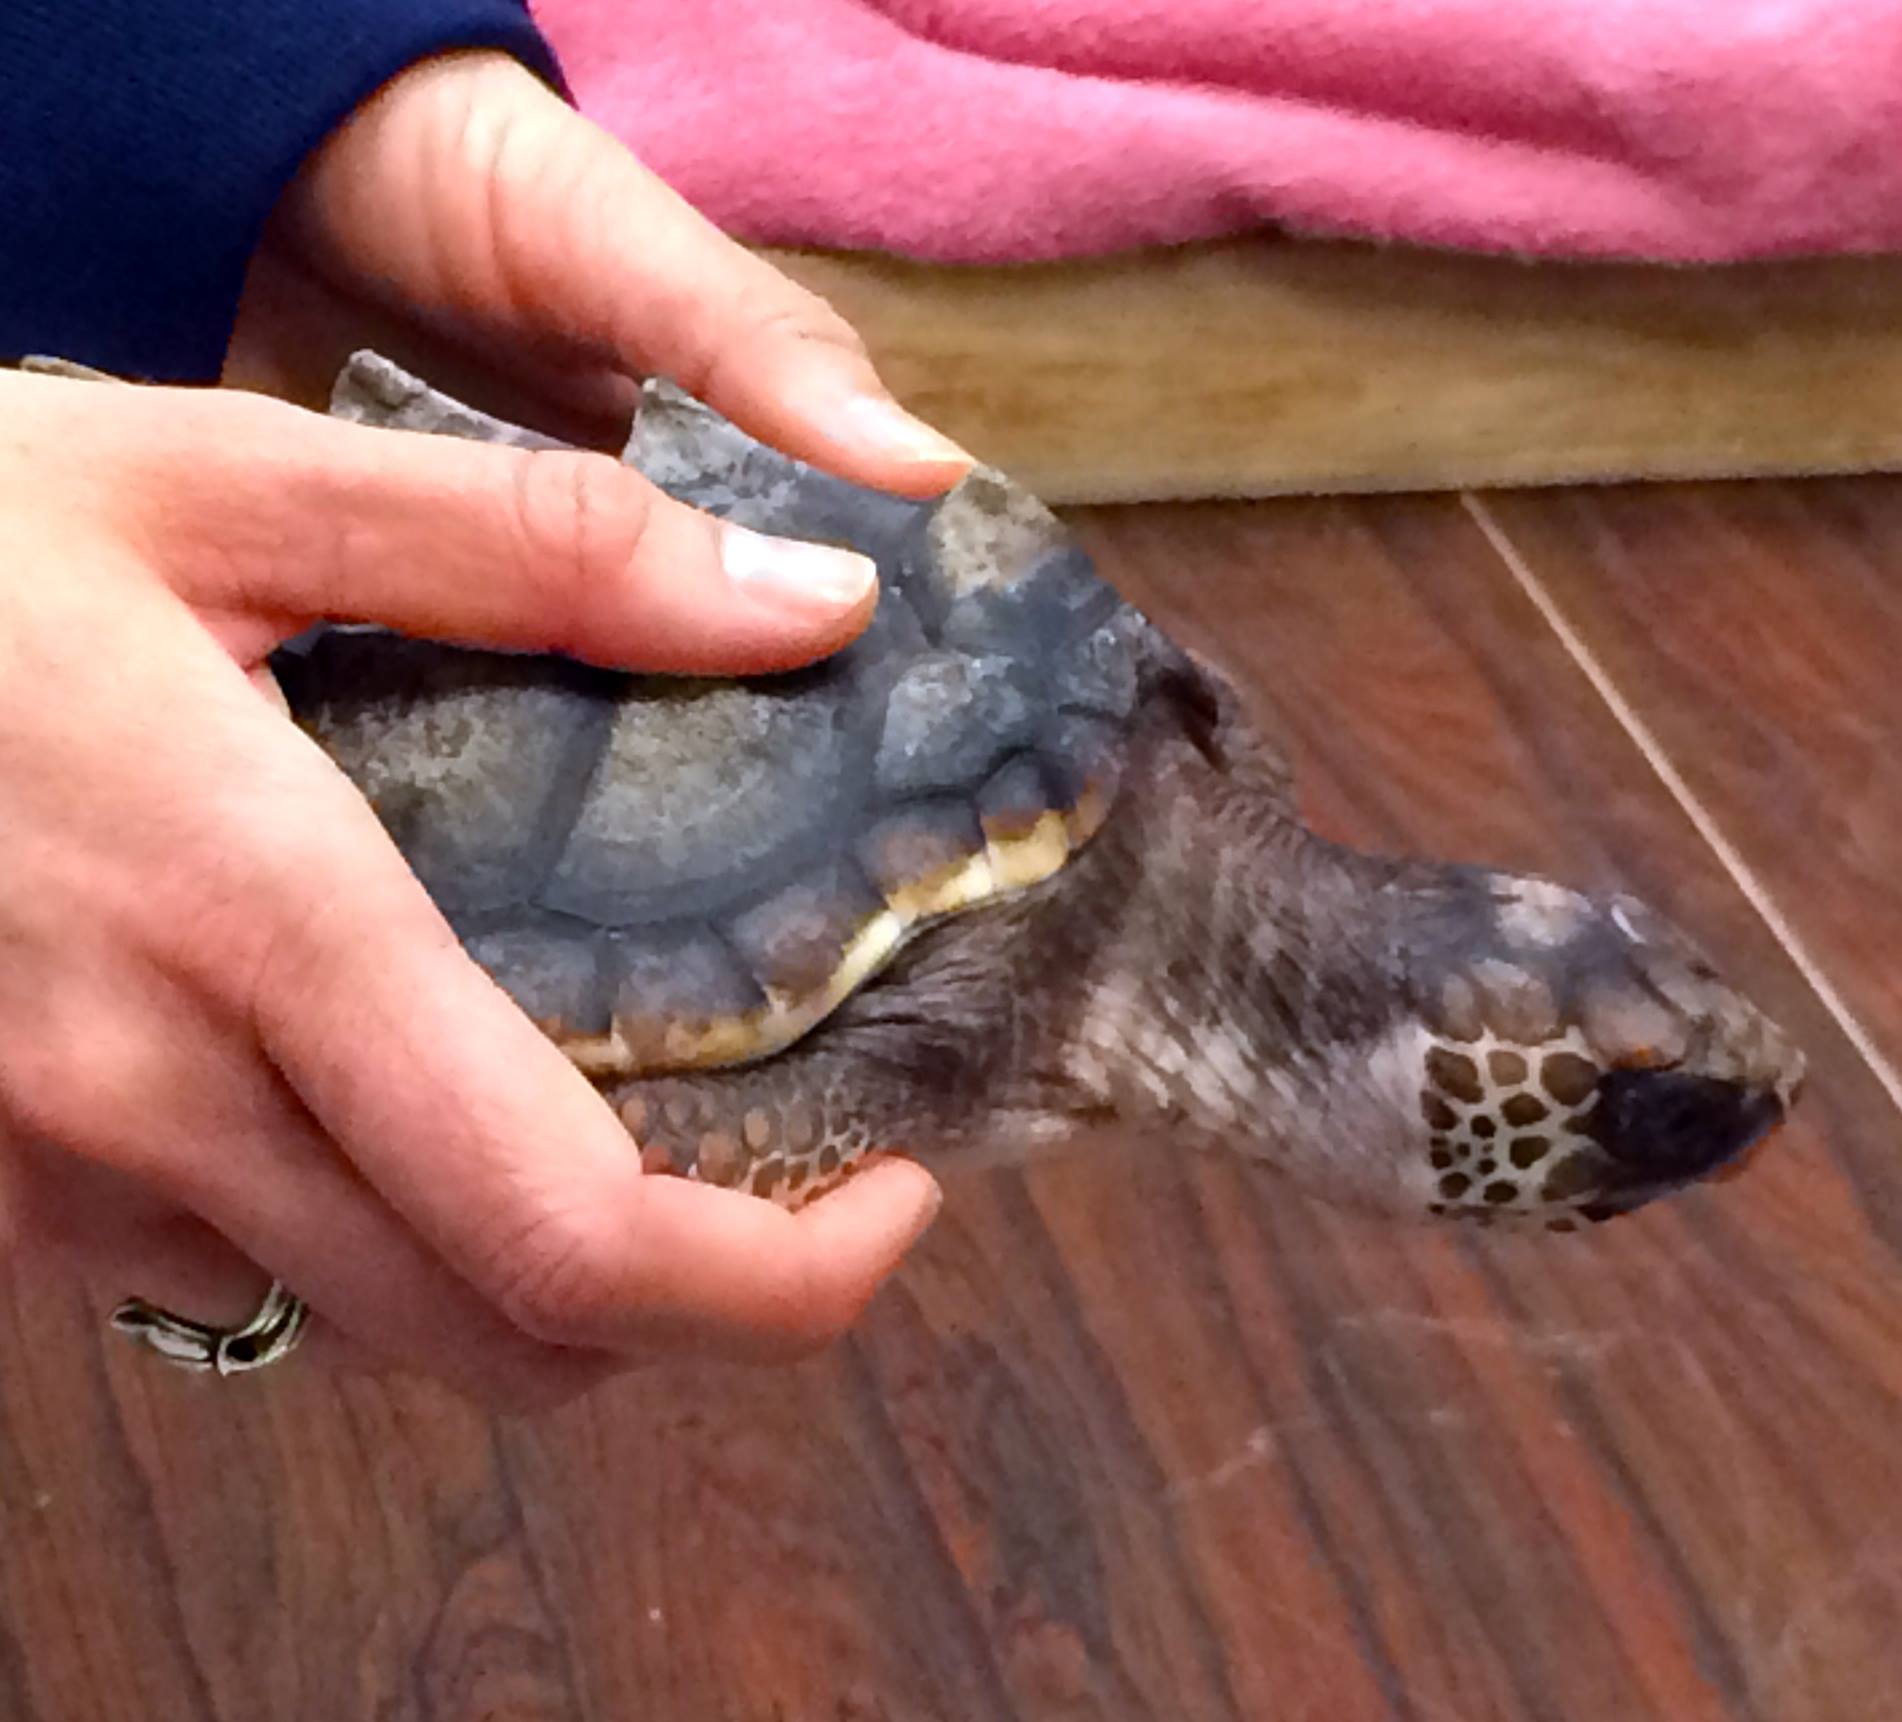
point(144, 142)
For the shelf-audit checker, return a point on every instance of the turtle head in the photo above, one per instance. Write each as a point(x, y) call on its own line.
point(1429, 1040)
point(1563, 1056)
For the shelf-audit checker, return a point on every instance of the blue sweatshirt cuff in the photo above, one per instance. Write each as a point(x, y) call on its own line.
point(143, 144)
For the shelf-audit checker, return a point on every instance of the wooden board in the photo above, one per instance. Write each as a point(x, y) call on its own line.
point(1268, 366)
point(1134, 1437)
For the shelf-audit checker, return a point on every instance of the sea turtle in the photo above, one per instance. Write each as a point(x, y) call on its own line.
point(1011, 866)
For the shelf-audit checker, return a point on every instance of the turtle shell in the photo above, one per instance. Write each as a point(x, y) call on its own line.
point(670, 873)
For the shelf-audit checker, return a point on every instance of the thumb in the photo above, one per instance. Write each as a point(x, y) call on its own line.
point(252, 507)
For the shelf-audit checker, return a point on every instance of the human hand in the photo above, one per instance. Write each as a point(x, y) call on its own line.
point(466, 211)
point(236, 1040)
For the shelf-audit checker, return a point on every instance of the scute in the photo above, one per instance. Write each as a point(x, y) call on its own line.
point(683, 997)
point(990, 534)
point(554, 973)
point(928, 858)
point(468, 759)
point(697, 782)
point(1025, 835)
point(372, 391)
point(950, 718)
point(1084, 757)
point(1098, 674)
point(670, 874)
point(793, 939)
point(1041, 614)
point(694, 454)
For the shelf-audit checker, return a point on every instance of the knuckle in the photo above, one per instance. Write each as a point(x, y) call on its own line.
point(38, 1090)
point(560, 1279)
point(219, 461)
point(269, 945)
point(579, 519)
point(95, 1109)
point(788, 316)
point(252, 420)
point(808, 317)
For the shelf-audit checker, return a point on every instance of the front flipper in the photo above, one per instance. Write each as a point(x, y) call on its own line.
point(788, 1129)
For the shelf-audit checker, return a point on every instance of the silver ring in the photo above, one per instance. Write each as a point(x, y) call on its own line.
point(268, 1337)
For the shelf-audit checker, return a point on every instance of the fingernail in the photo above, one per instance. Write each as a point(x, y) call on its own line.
point(785, 570)
point(930, 1200)
point(880, 419)
point(933, 1202)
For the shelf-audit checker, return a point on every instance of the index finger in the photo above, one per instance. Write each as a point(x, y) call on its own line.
point(541, 226)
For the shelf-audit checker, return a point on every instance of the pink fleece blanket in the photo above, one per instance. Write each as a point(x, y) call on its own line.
point(979, 130)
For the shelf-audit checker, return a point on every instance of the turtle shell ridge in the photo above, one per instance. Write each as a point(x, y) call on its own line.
point(669, 873)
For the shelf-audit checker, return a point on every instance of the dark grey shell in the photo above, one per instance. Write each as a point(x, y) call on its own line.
point(669, 873)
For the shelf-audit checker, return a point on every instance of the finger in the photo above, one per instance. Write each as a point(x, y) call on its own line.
point(177, 1263)
point(297, 329)
point(471, 191)
point(258, 509)
point(767, 1285)
point(476, 1130)
point(284, 1211)
point(291, 1205)
point(197, 1205)
point(164, 1260)
point(264, 679)
point(121, 1241)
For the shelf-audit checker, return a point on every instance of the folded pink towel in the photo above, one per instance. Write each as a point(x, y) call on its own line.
point(1008, 129)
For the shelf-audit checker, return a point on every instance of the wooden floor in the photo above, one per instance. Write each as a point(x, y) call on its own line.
point(1152, 1438)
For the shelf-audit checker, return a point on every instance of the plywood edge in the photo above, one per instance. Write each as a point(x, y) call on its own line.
point(1268, 366)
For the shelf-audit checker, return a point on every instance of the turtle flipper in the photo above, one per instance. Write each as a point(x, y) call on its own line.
point(786, 1130)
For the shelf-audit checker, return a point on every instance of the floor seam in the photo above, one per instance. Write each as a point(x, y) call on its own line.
point(1759, 896)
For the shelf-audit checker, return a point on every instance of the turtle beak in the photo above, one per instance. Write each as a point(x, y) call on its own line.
point(1663, 1129)
point(1673, 1126)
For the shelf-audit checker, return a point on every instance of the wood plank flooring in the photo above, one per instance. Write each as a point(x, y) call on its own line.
point(1136, 1437)
point(1773, 614)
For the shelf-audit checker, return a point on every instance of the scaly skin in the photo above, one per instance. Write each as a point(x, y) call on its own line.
point(1417, 1037)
